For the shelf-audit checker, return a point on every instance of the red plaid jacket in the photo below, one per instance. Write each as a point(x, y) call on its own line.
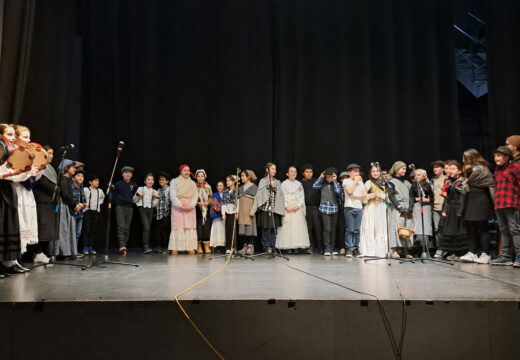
point(507, 188)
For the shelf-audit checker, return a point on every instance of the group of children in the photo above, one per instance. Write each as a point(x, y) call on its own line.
point(334, 214)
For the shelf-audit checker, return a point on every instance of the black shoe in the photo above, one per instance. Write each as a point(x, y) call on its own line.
point(12, 270)
point(357, 252)
point(22, 267)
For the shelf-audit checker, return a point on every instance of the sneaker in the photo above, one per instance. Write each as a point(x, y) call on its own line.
point(483, 259)
point(395, 255)
point(453, 257)
point(516, 264)
point(228, 252)
point(250, 249)
point(92, 251)
point(147, 250)
point(85, 250)
point(357, 253)
point(469, 257)
point(349, 253)
point(309, 251)
point(122, 250)
point(79, 255)
point(334, 252)
point(243, 251)
point(501, 260)
point(342, 251)
point(41, 258)
point(327, 252)
point(438, 254)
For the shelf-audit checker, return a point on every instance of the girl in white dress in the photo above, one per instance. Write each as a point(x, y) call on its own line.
point(373, 240)
point(218, 227)
point(26, 202)
point(293, 234)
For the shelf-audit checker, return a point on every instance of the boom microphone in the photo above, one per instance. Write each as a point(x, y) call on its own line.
point(120, 146)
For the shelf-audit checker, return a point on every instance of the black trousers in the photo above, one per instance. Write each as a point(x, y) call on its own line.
point(162, 232)
point(90, 222)
point(314, 227)
point(230, 219)
point(478, 236)
point(329, 230)
point(146, 215)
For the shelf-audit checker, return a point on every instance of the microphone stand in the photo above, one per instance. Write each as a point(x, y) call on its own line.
point(234, 253)
point(388, 257)
point(271, 215)
point(57, 214)
point(425, 253)
point(106, 259)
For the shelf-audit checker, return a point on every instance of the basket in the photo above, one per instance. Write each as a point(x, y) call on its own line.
point(405, 232)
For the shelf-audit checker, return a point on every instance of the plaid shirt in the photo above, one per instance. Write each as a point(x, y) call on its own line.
point(164, 206)
point(507, 188)
point(328, 207)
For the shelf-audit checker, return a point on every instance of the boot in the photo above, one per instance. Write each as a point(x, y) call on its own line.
point(199, 248)
point(174, 252)
point(207, 249)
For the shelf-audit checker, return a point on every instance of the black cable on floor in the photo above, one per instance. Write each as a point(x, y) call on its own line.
point(396, 348)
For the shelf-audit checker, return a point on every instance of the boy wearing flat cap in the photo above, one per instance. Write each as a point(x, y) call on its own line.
point(330, 189)
point(124, 191)
point(507, 205)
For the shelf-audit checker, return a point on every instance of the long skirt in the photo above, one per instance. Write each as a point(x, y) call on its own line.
point(66, 243)
point(373, 238)
point(394, 239)
point(184, 230)
point(293, 234)
point(427, 215)
point(27, 216)
point(218, 233)
point(9, 223)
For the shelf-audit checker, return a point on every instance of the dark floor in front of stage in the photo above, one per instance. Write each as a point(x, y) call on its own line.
point(160, 277)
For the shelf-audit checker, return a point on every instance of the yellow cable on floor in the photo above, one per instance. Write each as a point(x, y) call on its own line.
point(208, 277)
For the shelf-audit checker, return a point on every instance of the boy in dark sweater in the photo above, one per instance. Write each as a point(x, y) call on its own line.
point(124, 191)
point(312, 204)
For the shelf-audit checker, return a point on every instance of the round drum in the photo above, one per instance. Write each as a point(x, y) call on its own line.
point(20, 159)
point(41, 158)
point(4, 152)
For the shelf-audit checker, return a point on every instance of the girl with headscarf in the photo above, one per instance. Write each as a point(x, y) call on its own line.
point(401, 206)
point(184, 196)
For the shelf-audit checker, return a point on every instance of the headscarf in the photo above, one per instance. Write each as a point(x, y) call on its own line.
point(397, 165)
point(184, 188)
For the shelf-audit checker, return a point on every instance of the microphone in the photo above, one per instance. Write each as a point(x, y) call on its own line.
point(375, 164)
point(67, 147)
point(411, 166)
point(120, 146)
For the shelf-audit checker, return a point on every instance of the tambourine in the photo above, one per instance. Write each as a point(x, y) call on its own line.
point(4, 152)
point(41, 158)
point(20, 159)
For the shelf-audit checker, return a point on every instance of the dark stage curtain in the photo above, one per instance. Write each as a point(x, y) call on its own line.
point(17, 34)
point(226, 83)
point(362, 81)
point(504, 69)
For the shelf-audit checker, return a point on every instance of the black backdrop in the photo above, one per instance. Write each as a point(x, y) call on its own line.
point(225, 83)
